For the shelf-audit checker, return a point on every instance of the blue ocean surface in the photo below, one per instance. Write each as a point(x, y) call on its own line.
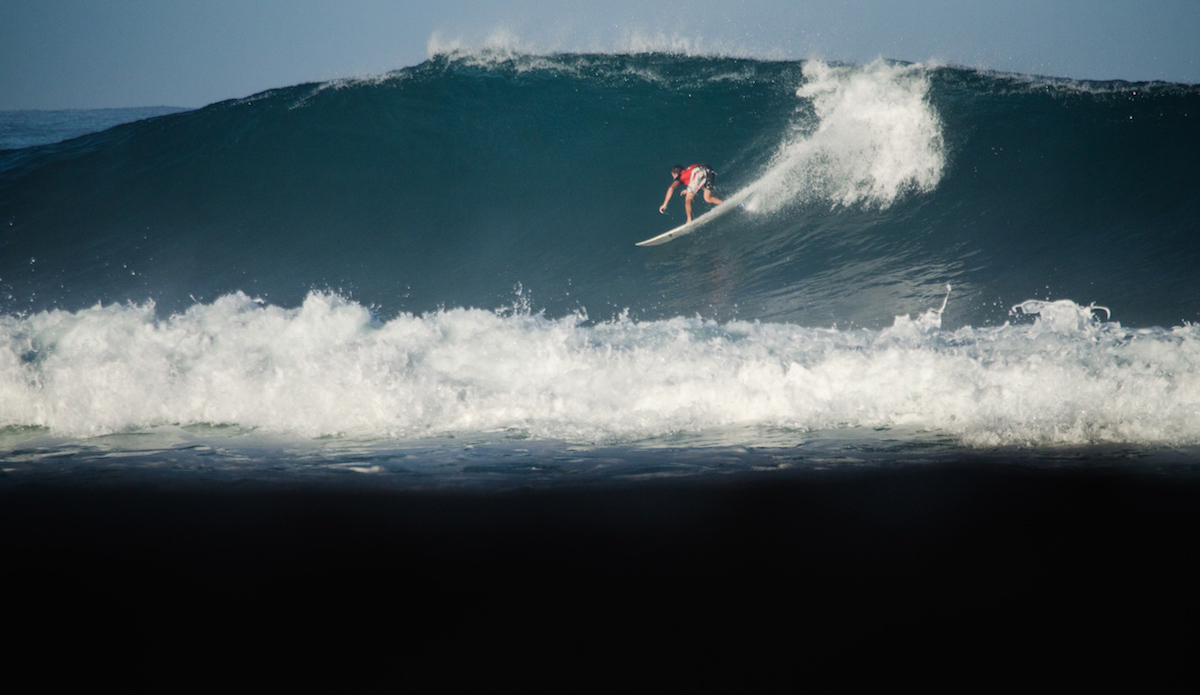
point(429, 277)
point(27, 128)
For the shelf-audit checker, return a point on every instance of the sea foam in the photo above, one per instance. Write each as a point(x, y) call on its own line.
point(331, 368)
point(876, 138)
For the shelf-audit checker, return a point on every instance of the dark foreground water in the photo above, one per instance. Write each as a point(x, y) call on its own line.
point(740, 579)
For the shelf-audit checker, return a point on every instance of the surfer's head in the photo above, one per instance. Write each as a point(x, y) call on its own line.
point(676, 171)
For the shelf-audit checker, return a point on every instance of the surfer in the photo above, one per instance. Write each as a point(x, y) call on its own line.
point(696, 178)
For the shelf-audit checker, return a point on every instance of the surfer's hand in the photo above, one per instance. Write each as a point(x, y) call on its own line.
point(662, 210)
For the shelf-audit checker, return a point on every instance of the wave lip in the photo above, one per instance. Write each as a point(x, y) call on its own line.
point(877, 137)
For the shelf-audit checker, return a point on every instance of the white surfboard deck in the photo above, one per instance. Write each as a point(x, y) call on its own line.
point(731, 203)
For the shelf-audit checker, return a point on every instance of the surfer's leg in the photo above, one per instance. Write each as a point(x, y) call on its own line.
point(710, 198)
point(687, 204)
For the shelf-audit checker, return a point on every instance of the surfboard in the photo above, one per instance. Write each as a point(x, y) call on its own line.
point(733, 202)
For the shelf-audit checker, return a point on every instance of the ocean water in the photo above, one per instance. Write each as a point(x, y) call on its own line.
point(366, 272)
point(27, 128)
point(953, 339)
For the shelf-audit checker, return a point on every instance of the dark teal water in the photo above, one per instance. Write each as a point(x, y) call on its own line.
point(446, 254)
point(455, 181)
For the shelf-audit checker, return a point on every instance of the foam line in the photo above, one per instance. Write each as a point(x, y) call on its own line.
point(330, 368)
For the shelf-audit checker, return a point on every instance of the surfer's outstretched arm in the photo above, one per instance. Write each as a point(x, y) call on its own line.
point(663, 208)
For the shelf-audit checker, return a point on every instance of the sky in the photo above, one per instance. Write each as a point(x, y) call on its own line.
point(64, 54)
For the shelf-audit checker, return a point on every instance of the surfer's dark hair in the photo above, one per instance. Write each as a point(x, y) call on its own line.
point(676, 170)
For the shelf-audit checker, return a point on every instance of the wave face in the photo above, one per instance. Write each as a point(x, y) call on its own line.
point(327, 259)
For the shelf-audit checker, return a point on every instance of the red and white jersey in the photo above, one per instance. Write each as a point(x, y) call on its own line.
point(686, 175)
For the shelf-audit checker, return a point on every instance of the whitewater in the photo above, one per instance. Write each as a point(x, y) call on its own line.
point(393, 274)
point(329, 369)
